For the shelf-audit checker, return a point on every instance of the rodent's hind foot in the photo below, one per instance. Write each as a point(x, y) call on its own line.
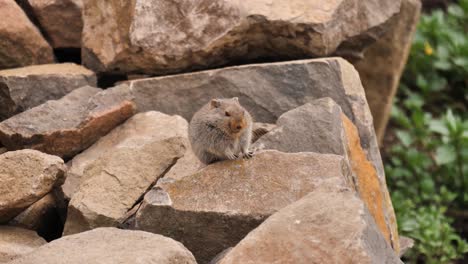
point(248, 155)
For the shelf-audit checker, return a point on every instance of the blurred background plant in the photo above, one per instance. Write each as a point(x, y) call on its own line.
point(427, 141)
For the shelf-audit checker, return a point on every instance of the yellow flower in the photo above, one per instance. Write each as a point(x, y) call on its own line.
point(428, 49)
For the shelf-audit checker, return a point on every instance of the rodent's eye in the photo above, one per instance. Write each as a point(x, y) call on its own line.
point(227, 113)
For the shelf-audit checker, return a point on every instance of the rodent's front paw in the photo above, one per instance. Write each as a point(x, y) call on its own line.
point(248, 155)
point(231, 156)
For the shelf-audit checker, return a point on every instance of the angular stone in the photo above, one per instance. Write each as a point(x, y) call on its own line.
point(109, 246)
point(291, 84)
point(27, 87)
point(15, 242)
point(384, 61)
point(66, 126)
point(216, 207)
point(21, 43)
point(42, 217)
point(320, 126)
point(26, 176)
point(158, 37)
point(116, 180)
point(61, 21)
point(140, 129)
point(326, 226)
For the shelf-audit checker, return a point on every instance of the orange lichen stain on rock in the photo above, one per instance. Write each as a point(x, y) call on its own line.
point(368, 182)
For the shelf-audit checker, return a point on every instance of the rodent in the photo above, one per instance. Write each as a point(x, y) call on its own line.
point(221, 130)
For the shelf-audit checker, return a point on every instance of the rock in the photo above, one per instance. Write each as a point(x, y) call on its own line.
point(260, 129)
point(216, 207)
point(66, 126)
point(42, 217)
point(119, 169)
point(185, 166)
point(15, 241)
point(21, 43)
point(27, 87)
point(321, 126)
point(110, 245)
point(159, 37)
point(26, 176)
point(384, 61)
point(141, 129)
point(2, 150)
point(323, 227)
point(61, 21)
point(291, 84)
point(406, 243)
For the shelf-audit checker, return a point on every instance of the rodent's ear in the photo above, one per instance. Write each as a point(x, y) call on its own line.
point(215, 103)
point(236, 99)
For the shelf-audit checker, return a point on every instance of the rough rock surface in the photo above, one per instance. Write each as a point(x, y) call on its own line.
point(61, 20)
point(109, 246)
point(160, 37)
point(138, 130)
point(26, 176)
point(27, 87)
point(66, 126)
point(323, 227)
point(384, 61)
point(320, 126)
point(120, 168)
point(21, 43)
point(216, 207)
point(42, 216)
point(291, 84)
point(15, 241)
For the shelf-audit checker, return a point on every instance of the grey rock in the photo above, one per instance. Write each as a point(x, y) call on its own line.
point(15, 242)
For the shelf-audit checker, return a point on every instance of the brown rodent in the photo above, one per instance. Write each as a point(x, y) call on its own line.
point(221, 130)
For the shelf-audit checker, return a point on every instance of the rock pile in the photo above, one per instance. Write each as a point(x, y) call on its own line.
point(109, 174)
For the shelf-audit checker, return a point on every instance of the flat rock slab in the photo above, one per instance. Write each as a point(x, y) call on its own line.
point(326, 226)
point(27, 87)
point(115, 173)
point(22, 44)
point(26, 176)
point(159, 37)
point(321, 126)
point(109, 246)
point(61, 20)
point(66, 126)
point(15, 242)
point(137, 131)
point(216, 207)
point(291, 84)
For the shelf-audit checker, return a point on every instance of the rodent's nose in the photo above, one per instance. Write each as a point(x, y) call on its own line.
point(239, 127)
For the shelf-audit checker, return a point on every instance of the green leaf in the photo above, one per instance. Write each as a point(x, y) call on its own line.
point(445, 154)
point(438, 126)
point(404, 137)
point(442, 65)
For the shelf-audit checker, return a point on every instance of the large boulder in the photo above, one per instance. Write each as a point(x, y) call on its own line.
point(159, 37)
point(27, 87)
point(117, 171)
point(321, 126)
point(109, 246)
point(15, 242)
point(26, 176)
point(326, 226)
point(61, 21)
point(266, 90)
point(216, 207)
point(21, 43)
point(66, 126)
point(384, 61)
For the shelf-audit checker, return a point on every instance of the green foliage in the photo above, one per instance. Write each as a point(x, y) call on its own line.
point(427, 168)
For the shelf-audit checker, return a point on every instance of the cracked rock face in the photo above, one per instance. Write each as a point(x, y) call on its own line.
point(115, 173)
point(216, 207)
point(26, 176)
point(66, 126)
point(326, 226)
point(27, 87)
point(109, 246)
point(15, 242)
point(159, 37)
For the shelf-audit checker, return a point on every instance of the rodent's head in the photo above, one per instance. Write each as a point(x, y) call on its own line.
point(232, 114)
